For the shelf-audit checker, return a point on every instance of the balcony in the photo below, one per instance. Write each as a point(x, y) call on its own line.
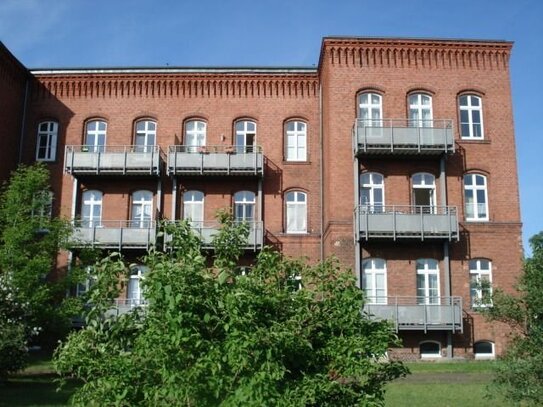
point(418, 313)
point(112, 160)
point(403, 137)
point(207, 230)
point(395, 222)
point(122, 306)
point(118, 234)
point(216, 160)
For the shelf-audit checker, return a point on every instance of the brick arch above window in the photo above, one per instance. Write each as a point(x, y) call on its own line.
point(421, 89)
point(471, 90)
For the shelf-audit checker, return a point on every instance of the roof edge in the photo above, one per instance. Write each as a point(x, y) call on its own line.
point(175, 70)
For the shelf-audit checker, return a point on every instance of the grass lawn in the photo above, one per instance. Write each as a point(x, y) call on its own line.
point(430, 384)
point(35, 386)
point(444, 384)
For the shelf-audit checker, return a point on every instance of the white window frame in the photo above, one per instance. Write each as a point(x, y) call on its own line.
point(477, 216)
point(244, 200)
point(372, 182)
point(427, 181)
point(99, 136)
point(42, 205)
point(369, 111)
point(428, 268)
point(245, 130)
point(430, 355)
point(478, 274)
point(418, 110)
point(89, 199)
point(371, 269)
point(485, 356)
point(137, 275)
point(470, 108)
point(48, 135)
point(296, 141)
point(193, 204)
point(145, 137)
point(195, 134)
point(142, 209)
point(296, 208)
point(83, 287)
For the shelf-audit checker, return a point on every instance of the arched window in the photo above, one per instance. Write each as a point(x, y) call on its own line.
point(475, 197)
point(427, 281)
point(295, 141)
point(193, 207)
point(195, 134)
point(296, 212)
point(484, 350)
point(145, 137)
point(95, 136)
point(430, 349)
point(91, 209)
point(480, 276)
point(245, 136)
point(83, 287)
point(372, 192)
point(420, 110)
point(46, 146)
point(471, 117)
point(134, 293)
point(370, 109)
point(142, 209)
point(424, 192)
point(374, 280)
point(244, 206)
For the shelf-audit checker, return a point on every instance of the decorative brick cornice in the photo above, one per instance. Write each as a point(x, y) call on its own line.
point(415, 53)
point(176, 85)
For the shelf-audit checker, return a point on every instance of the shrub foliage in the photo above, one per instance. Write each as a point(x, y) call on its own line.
point(210, 335)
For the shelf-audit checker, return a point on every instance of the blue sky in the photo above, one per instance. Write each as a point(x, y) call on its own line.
point(76, 33)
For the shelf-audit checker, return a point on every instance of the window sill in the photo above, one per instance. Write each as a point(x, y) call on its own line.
point(285, 162)
point(473, 141)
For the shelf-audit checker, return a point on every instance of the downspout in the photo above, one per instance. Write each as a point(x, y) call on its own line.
point(321, 141)
point(23, 123)
point(446, 257)
point(174, 196)
point(356, 223)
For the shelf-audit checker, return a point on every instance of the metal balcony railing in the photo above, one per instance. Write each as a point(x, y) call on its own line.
point(206, 230)
point(403, 136)
point(114, 234)
point(418, 313)
point(112, 160)
point(122, 306)
point(406, 222)
point(216, 160)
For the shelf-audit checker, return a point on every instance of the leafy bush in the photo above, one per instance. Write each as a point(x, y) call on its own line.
point(210, 336)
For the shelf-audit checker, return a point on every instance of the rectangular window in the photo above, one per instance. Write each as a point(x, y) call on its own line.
point(46, 148)
point(296, 141)
point(471, 121)
point(296, 208)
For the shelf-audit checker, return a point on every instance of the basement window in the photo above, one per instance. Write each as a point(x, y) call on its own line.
point(430, 350)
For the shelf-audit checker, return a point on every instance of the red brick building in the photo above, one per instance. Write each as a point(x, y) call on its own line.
point(395, 155)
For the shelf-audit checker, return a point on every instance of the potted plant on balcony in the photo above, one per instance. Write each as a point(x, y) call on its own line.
point(202, 150)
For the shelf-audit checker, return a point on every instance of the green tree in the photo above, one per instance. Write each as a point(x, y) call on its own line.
point(29, 243)
point(519, 373)
point(211, 336)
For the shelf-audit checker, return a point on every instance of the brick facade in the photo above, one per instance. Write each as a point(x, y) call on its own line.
point(326, 100)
